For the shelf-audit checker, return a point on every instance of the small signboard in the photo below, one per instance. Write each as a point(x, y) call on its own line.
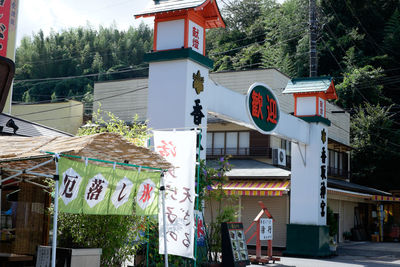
point(43, 256)
point(262, 107)
point(234, 247)
point(266, 229)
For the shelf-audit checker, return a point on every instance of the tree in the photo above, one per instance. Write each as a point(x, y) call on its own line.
point(261, 34)
point(359, 86)
point(376, 144)
point(118, 236)
point(108, 52)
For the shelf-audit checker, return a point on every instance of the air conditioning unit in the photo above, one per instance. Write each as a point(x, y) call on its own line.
point(279, 157)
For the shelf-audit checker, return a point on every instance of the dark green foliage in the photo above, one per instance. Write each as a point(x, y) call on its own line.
point(261, 34)
point(376, 147)
point(150, 254)
point(361, 85)
point(115, 234)
point(220, 208)
point(332, 223)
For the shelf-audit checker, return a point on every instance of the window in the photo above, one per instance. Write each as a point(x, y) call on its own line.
point(338, 164)
point(231, 143)
point(228, 143)
point(244, 143)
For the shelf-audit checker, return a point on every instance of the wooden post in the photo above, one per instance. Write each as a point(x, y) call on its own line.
point(258, 242)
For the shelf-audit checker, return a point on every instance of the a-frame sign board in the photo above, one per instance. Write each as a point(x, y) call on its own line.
point(257, 221)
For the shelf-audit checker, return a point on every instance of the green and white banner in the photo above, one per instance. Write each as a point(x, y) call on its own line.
point(92, 189)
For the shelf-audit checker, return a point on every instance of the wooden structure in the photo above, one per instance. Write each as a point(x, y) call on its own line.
point(23, 161)
point(258, 258)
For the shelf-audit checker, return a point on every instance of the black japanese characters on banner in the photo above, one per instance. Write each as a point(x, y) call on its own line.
point(323, 155)
point(323, 136)
point(198, 85)
point(197, 113)
point(323, 190)
point(323, 174)
point(323, 208)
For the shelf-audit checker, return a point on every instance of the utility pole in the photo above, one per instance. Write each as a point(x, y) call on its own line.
point(313, 39)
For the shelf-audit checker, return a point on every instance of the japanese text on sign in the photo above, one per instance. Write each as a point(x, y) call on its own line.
point(322, 192)
point(196, 38)
point(262, 107)
point(179, 148)
point(266, 229)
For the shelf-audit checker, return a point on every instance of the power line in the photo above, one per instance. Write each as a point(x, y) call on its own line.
point(95, 100)
point(116, 72)
point(77, 76)
point(257, 42)
point(364, 29)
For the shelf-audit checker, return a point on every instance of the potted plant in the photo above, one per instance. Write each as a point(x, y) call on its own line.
point(332, 244)
point(333, 230)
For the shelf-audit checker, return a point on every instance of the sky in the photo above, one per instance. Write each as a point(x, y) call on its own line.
point(57, 15)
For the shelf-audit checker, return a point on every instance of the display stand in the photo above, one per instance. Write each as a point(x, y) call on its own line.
point(234, 248)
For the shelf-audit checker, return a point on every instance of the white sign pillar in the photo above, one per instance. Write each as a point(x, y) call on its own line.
point(178, 79)
point(307, 233)
point(172, 100)
point(308, 204)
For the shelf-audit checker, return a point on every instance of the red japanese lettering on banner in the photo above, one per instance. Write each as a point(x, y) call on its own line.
point(200, 228)
point(196, 38)
point(4, 24)
point(256, 105)
point(146, 193)
point(321, 108)
point(271, 110)
point(167, 149)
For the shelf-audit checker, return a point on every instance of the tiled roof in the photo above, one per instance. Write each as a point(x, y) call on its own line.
point(341, 184)
point(305, 85)
point(253, 169)
point(104, 146)
point(169, 5)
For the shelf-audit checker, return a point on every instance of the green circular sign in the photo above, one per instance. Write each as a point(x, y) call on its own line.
point(262, 107)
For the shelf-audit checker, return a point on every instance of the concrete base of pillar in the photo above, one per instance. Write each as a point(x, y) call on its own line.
point(307, 240)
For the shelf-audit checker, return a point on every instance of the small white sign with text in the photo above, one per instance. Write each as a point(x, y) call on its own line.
point(266, 229)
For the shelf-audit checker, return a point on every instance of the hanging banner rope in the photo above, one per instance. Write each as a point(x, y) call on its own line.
point(93, 189)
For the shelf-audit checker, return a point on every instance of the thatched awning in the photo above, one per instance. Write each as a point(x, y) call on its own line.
point(104, 146)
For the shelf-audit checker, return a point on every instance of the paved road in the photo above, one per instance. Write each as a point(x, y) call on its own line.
point(341, 261)
point(351, 254)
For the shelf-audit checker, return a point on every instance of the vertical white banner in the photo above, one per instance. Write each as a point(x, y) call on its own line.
point(179, 148)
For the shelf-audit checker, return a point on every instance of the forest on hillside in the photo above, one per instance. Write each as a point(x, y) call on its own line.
point(358, 44)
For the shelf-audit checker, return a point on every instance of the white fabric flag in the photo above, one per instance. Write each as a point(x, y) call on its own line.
point(179, 148)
